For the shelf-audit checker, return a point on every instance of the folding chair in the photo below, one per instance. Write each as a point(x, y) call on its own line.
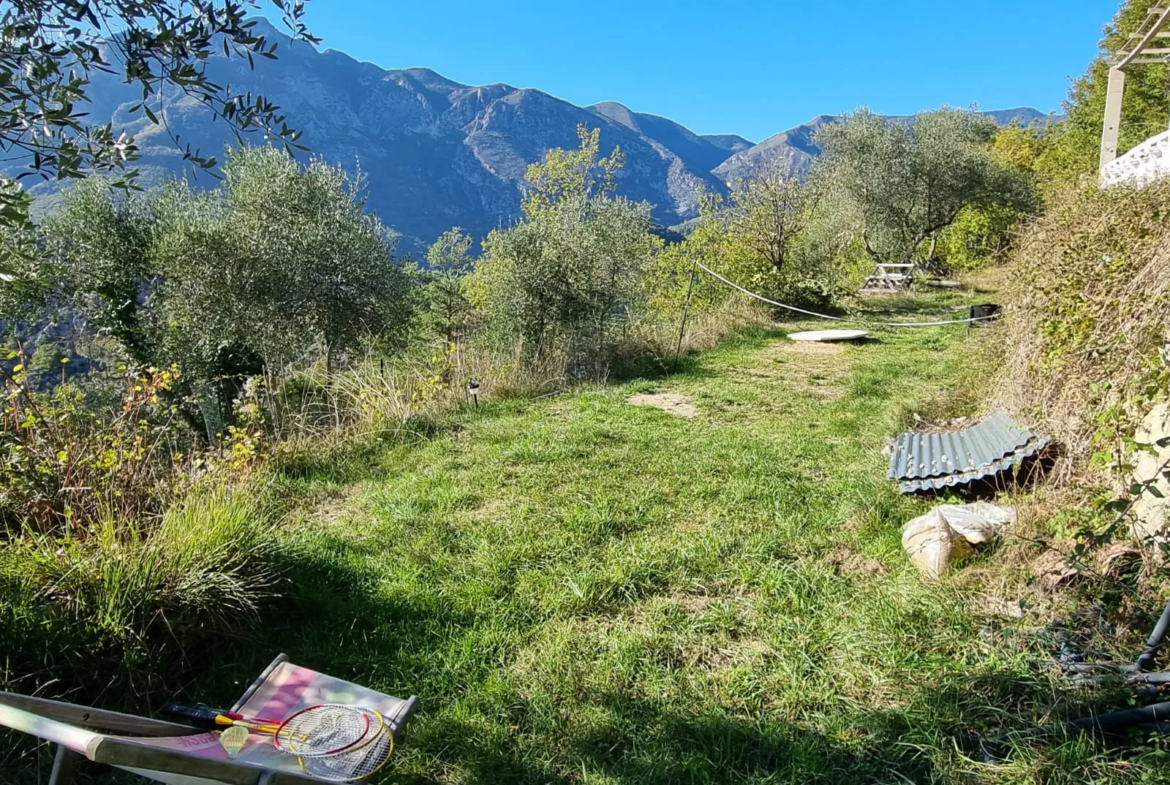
point(181, 755)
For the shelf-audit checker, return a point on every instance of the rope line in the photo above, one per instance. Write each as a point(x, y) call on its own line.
point(761, 298)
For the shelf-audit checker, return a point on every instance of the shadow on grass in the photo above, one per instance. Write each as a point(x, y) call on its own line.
point(983, 711)
point(340, 616)
point(335, 617)
point(638, 741)
point(477, 726)
point(642, 742)
point(911, 305)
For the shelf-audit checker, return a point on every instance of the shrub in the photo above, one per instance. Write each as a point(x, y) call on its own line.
point(569, 278)
point(1088, 304)
point(279, 262)
point(767, 240)
point(117, 544)
point(978, 238)
point(65, 467)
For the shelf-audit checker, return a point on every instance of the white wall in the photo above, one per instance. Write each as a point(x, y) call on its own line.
point(1145, 163)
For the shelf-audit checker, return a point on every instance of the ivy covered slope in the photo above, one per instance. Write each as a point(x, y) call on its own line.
point(1089, 302)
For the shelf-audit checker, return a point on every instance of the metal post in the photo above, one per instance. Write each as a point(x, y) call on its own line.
point(63, 765)
point(686, 307)
point(1114, 92)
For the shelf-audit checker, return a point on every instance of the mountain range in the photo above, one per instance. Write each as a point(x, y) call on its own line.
point(436, 153)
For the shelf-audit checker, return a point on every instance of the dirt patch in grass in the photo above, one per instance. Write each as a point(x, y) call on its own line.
point(806, 347)
point(816, 381)
point(671, 403)
point(818, 388)
point(693, 603)
point(988, 606)
point(847, 561)
point(335, 509)
point(802, 366)
point(492, 509)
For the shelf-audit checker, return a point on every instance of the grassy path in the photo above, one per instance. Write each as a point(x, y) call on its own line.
point(587, 591)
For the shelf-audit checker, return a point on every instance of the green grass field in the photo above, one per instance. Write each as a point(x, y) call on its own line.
point(582, 590)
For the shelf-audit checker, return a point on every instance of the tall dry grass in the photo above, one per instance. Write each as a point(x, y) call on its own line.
point(121, 603)
point(655, 341)
point(375, 396)
point(1088, 319)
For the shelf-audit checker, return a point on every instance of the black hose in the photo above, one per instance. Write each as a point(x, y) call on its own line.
point(1145, 660)
point(995, 749)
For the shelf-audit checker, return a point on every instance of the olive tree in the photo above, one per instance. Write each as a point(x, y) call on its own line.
point(320, 264)
point(52, 48)
point(769, 211)
point(902, 184)
point(277, 262)
point(571, 274)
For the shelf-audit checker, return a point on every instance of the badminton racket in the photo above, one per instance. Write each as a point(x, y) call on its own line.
point(353, 764)
point(316, 731)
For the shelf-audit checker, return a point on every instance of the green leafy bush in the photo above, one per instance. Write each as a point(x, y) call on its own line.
point(570, 277)
point(279, 263)
point(66, 467)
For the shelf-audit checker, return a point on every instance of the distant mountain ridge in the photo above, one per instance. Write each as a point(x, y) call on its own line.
point(436, 153)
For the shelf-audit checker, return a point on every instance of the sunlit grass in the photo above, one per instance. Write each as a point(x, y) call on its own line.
point(582, 591)
point(587, 591)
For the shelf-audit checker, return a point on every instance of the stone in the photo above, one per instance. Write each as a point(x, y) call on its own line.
point(1148, 524)
point(1052, 571)
point(1119, 559)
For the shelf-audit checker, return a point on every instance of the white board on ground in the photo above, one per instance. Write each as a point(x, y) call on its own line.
point(829, 335)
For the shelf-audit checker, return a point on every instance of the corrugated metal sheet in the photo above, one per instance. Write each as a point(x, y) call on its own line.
point(933, 461)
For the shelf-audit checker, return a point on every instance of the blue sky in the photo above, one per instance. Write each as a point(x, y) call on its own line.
point(752, 67)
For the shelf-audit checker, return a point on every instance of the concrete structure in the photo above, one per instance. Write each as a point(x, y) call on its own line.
point(1143, 47)
point(1149, 510)
point(1145, 163)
